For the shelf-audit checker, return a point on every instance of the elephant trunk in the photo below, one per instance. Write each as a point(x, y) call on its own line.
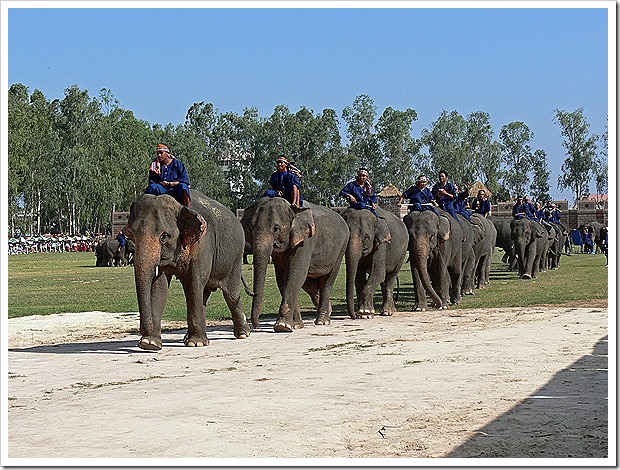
point(262, 252)
point(419, 258)
point(147, 275)
point(352, 259)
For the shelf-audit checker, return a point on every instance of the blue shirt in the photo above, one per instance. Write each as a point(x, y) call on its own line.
point(482, 207)
point(421, 196)
point(530, 212)
point(358, 192)
point(444, 201)
point(175, 171)
point(284, 182)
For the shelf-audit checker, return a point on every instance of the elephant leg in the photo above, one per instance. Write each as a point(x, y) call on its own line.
point(289, 315)
point(418, 289)
point(232, 295)
point(387, 290)
point(361, 280)
point(196, 297)
point(311, 286)
point(324, 311)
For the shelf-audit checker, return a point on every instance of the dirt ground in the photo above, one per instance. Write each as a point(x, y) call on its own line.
point(506, 383)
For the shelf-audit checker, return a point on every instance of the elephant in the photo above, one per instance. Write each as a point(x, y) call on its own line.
point(600, 231)
point(306, 244)
point(556, 244)
point(201, 246)
point(531, 242)
point(472, 235)
point(483, 249)
point(108, 254)
point(435, 257)
point(504, 241)
point(375, 253)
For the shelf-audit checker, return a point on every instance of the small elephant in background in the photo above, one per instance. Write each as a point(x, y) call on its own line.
point(504, 241)
point(483, 248)
point(375, 253)
point(108, 254)
point(531, 241)
point(306, 244)
point(202, 247)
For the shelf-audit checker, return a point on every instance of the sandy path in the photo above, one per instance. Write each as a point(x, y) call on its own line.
point(471, 383)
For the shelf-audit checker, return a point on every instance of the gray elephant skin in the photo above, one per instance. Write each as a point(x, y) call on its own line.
point(483, 248)
point(375, 253)
point(306, 246)
point(556, 244)
point(201, 246)
point(435, 257)
point(531, 242)
point(504, 241)
point(107, 253)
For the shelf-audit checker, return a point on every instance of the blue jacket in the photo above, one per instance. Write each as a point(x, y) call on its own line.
point(358, 191)
point(284, 182)
point(173, 172)
point(421, 196)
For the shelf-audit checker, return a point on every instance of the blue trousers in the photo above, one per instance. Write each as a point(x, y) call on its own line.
point(176, 191)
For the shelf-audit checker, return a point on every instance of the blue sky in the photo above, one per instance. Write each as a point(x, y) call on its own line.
point(517, 64)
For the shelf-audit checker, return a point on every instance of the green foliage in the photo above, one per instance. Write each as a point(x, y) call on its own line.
point(41, 284)
point(580, 164)
point(539, 189)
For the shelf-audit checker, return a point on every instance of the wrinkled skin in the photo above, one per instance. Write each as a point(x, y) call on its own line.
point(483, 249)
point(435, 257)
point(306, 245)
point(106, 253)
point(472, 234)
point(201, 246)
point(375, 253)
point(554, 252)
point(531, 242)
point(504, 241)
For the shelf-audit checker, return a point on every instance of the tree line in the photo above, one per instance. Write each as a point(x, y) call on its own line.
point(72, 161)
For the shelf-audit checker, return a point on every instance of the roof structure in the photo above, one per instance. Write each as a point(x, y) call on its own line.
point(477, 186)
point(390, 191)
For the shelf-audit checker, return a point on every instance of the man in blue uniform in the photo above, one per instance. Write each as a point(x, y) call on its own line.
point(420, 197)
point(460, 202)
point(360, 193)
point(518, 211)
point(285, 183)
point(528, 209)
point(167, 175)
point(445, 194)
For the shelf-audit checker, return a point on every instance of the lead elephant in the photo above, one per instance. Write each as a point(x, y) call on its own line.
point(435, 257)
point(375, 253)
point(306, 245)
point(531, 242)
point(202, 247)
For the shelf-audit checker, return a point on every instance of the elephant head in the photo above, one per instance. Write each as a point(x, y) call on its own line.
point(366, 234)
point(427, 233)
point(166, 236)
point(271, 225)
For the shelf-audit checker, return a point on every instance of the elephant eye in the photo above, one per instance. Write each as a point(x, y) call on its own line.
point(164, 237)
point(276, 229)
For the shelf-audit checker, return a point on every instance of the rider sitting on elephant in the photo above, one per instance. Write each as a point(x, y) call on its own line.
point(518, 211)
point(285, 183)
point(460, 200)
point(420, 197)
point(360, 192)
point(528, 208)
point(167, 175)
point(481, 204)
point(445, 194)
point(120, 236)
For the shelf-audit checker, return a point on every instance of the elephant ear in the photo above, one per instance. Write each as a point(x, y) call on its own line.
point(444, 229)
point(192, 226)
point(382, 233)
point(302, 227)
point(540, 231)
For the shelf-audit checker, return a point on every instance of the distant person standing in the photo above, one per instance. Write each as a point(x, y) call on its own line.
point(167, 175)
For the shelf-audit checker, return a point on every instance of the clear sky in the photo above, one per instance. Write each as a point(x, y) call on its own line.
point(517, 64)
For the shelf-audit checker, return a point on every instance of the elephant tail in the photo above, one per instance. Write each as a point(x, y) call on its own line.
point(397, 293)
point(246, 287)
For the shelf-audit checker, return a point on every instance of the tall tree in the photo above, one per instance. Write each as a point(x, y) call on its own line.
point(515, 139)
point(539, 188)
point(363, 148)
point(579, 166)
point(601, 169)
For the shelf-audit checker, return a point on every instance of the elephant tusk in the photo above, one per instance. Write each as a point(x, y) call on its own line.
point(157, 271)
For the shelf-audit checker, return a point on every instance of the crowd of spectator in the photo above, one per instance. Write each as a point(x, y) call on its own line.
point(47, 243)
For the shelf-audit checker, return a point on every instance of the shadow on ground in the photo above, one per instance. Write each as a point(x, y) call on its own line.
point(566, 418)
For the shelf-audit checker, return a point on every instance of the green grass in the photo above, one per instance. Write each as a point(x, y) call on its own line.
point(42, 284)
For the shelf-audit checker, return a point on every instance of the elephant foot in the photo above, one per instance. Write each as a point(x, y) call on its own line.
point(282, 326)
point(150, 343)
point(365, 312)
point(243, 332)
point(195, 341)
point(469, 292)
point(322, 319)
point(526, 276)
point(419, 309)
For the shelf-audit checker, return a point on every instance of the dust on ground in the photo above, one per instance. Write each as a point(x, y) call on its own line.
point(513, 383)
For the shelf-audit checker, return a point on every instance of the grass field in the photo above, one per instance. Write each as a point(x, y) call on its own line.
point(41, 284)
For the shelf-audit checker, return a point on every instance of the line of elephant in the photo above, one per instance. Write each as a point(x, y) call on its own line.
point(108, 254)
point(203, 248)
